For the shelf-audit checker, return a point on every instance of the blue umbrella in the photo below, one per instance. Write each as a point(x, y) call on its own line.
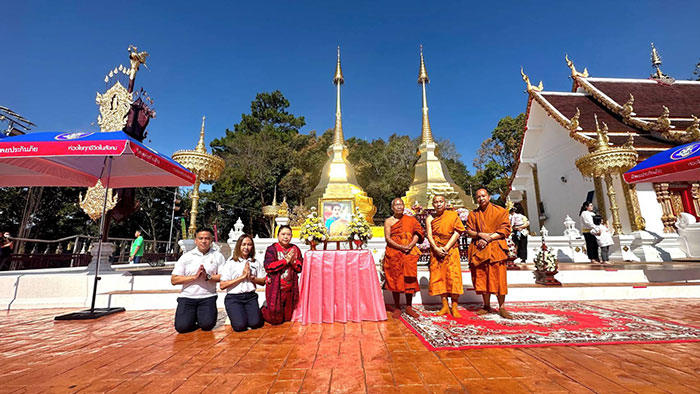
point(680, 163)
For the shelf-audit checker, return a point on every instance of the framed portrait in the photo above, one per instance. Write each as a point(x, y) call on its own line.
point(337, 214)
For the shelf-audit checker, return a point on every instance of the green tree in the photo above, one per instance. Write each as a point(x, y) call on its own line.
point(497, 156)
point(259, 153)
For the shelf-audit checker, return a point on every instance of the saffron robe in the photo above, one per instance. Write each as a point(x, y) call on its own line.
point(401, 269)
point(445, 272)
point(488, 265)
point(281, 284)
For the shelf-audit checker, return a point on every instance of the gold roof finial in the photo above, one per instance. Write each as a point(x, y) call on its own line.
point(693, 131)
point(627, 109)
point(338, 78)
point(200, 145)
point(574, 121)
point(655, 58)
point(530, 88)
point(575, 73)
point(423, 73)
point(663, 122)
point(656, 63)
point(426, 131)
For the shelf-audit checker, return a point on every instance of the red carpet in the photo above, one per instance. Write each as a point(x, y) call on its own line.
point(543, 324)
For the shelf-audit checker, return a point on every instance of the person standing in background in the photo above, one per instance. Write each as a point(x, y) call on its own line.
point(519, 224)
point(136, 248)
point(603, 237)
point(586, 215)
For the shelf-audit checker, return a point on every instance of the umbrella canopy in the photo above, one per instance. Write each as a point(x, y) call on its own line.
point(680, 163)
point(78, 159)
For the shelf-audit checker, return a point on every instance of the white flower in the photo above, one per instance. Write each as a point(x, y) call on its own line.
point(310, 238)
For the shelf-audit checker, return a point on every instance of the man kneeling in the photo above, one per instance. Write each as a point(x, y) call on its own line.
point(197, 271)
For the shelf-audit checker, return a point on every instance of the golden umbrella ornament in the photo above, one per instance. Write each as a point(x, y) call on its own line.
point(205, 166)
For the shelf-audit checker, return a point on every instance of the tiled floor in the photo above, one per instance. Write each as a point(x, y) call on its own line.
point(139, 351)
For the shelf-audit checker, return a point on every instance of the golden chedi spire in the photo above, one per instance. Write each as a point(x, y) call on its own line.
point(426, 132)
point(338, 180)
point(431, 176)
point(338, 80)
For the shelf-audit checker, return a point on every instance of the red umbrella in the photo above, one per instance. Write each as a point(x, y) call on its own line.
point(81, 159)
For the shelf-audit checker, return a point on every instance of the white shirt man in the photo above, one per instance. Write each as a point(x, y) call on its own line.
point(197, 271)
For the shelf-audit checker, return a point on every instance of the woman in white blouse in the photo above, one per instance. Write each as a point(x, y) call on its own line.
point(239, 275)
point(586, 216)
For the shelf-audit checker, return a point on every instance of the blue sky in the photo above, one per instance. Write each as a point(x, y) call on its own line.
point(211, 58)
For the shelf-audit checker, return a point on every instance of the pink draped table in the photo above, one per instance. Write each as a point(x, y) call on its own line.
point(339, 286)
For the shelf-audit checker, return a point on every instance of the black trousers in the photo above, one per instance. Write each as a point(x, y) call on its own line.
point(591, 246)
point(521, 242)
point(243, 311)
point(194, 313)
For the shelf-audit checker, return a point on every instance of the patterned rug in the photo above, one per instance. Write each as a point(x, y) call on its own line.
point(543, 324)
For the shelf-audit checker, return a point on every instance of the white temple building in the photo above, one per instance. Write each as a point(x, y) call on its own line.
point(652, 115)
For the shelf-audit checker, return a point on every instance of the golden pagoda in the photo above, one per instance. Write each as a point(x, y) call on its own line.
point(431, 176)
point(338, 177)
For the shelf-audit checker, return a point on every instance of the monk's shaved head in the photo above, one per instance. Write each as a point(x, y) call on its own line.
point(484, 189)
point(396, 199)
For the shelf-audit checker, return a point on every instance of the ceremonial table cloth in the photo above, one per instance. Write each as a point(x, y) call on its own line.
point(339, 286)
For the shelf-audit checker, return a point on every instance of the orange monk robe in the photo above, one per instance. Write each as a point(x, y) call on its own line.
point(446, 272)
point(401, 269)
point(488, 265)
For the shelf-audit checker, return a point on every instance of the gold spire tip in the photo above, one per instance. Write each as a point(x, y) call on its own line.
point(423, 73)
point(338, 78)
point(200, 145)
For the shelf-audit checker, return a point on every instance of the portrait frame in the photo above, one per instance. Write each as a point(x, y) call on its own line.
point(337, 228)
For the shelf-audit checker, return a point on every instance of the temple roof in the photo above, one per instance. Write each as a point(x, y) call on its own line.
point(625, 106)
point(682, 97)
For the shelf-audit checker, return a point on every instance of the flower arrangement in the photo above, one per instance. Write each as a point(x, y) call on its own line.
point(313, 230)
point(416, 209)
point(358, 228)
point(512, 248)
point(545, 259)
point(463, 214)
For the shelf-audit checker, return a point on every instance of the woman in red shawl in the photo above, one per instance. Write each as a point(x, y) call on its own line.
point(283, 262)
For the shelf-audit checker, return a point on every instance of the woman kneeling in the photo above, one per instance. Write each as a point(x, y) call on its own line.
point(239, 275)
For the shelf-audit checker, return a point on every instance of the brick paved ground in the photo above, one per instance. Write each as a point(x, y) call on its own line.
point(138, 351)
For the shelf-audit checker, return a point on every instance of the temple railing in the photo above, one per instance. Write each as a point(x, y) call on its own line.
point(74, 251)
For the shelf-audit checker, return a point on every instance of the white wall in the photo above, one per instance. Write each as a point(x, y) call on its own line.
point(651, 209)
point(556, 157)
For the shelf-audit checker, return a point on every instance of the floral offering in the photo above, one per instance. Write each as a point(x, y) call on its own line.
point(545, 259)
point(359, 229)
point(313, 230)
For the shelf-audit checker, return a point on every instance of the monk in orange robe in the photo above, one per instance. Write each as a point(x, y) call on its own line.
point(489, 226)
point(402, 233)
point(444, 228)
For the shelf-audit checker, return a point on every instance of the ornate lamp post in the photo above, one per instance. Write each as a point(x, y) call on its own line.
point(206, 166)
point(603, 161)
